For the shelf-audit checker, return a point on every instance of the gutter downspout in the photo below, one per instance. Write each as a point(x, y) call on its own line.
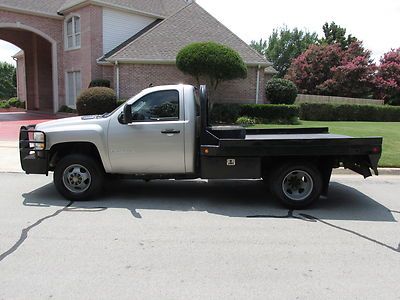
point(117, 79)
point(258, 84)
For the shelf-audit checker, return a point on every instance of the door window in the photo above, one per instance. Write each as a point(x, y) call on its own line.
point(158, 106)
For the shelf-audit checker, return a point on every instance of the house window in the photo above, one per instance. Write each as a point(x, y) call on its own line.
point(73, 33)
point(74, 86)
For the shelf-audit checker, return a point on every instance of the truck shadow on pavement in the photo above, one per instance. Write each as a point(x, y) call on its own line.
point(241, 199)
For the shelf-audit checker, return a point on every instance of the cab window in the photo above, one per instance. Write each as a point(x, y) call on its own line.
point(157, 106)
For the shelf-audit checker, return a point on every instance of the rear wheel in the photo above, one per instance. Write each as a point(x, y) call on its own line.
point(78, 177)
point(297, 184)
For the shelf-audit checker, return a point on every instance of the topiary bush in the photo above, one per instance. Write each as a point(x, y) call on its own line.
point(213, 61)
point(349, 112)
point(100, 83)
point(281, 91)
point(96, 101)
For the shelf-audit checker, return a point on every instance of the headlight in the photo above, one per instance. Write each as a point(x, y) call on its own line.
point(38, 137)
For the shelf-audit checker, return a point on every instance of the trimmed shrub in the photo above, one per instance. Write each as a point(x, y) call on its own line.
point(66, 109)
point(100, 83)
point(349, 112)
point(96, 101)
point(214, 61)
point(281, 91)
point(262, 113)
point(224, 113)
point(246, 121)
point(4, 104)
point(15, 102)
point(269, 113)
point(121, 101)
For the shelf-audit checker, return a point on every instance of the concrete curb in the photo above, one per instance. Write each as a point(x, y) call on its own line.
point(382, 171)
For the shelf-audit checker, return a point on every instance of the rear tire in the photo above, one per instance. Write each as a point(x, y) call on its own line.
point(297, 184)
point(78, 177)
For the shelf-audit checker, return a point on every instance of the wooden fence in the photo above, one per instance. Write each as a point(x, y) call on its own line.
point(301, 98)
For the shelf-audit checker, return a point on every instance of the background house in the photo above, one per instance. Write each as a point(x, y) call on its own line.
point(66, 44)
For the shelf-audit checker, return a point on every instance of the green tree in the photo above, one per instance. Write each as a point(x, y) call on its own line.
point(260, 46)
point(8, 84)
point(286, 44)
point(212, 61)
point(334, 34)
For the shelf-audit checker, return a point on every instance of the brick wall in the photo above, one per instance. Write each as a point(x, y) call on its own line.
point(23, 39)
point(84, 58)
point(136, 77)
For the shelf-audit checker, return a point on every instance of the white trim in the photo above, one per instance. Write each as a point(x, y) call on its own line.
point(258, 84)
point(72, 17)
point(30, 12)
point(117, 80)
point(53, 42)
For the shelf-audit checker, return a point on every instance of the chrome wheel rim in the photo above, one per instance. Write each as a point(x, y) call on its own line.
point(297, 185)
point(77, 178)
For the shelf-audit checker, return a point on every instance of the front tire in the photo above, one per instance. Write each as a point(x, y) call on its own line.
point(78, 177)
point(297, 184)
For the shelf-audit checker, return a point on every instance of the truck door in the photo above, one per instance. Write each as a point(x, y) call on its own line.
point(154, 142)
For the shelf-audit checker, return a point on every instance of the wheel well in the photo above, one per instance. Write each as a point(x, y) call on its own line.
point(58, 151)
point(323, 163)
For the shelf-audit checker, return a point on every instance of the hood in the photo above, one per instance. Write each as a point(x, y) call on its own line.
point(69, 122)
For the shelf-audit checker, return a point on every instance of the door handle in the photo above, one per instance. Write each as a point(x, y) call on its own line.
point(170, 131)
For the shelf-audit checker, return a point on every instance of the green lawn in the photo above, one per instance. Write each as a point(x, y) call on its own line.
point(390, 131)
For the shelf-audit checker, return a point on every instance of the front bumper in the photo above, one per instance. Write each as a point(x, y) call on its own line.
point(32, 161)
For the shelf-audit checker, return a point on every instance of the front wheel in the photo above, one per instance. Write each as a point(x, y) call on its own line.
point(297, 184)
point(78, 177)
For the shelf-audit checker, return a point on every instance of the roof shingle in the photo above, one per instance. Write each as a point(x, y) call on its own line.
point(35, 6)
point(162, 8)
point(190, 24)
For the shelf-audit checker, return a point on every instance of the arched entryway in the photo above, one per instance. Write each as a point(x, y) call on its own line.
point(40, 52)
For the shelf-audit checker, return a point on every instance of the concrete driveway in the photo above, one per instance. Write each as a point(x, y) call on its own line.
point(10, 123)
point(199, 240)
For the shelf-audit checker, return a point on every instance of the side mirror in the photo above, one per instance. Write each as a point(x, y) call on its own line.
point(128, 114)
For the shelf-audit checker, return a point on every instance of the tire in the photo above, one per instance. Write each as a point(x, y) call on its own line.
point(297, 184)
point(78, 177)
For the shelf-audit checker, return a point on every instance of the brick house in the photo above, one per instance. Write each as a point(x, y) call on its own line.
point(68, 43)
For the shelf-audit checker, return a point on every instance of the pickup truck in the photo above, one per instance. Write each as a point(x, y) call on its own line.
point(164, 133)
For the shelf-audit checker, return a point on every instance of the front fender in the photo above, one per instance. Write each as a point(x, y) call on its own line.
point(90, 133)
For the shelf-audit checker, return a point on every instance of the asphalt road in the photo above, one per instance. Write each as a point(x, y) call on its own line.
point(199, 240)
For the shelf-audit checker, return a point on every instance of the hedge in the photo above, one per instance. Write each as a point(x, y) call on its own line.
point(264, 113)
point(100, 83)
point(268, 113)
point(349, 112)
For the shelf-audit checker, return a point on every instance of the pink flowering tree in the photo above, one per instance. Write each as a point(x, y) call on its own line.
point(387, 81)
point(331, 70)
